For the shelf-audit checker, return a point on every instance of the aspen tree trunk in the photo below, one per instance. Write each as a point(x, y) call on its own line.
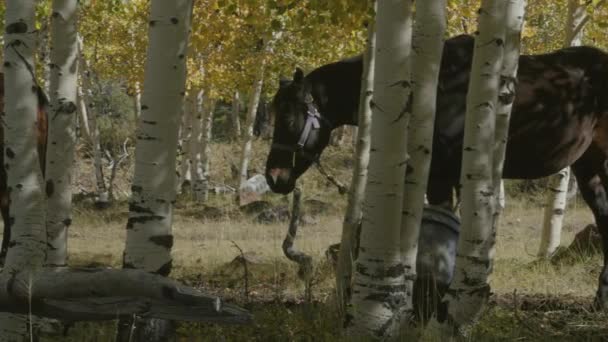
point(378, 296)
point(506, 96)
point(254, 100)
point(554, 213)
point(555, 205)
point(427, 47)
point(103, 197)
point(62, 126)
point(470, 290)
point(235, 121)
point(186, 136)
point(149, 237)
point(83, 119)
point(201, 187)
point(352, 217)
point(196, 140)
point(137, 101)
point(24, 177)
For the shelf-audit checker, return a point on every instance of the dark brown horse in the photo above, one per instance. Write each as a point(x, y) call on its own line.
point(42, 128)
point(559, 119)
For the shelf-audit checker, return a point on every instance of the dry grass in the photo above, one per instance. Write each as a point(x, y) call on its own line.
point(203, 250)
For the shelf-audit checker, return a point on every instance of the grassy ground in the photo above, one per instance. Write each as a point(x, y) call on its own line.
point(532, 301)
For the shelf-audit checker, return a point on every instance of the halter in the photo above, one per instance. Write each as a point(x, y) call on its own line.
point(313, 121)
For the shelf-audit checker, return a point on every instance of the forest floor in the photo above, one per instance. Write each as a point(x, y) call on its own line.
point(532, 300)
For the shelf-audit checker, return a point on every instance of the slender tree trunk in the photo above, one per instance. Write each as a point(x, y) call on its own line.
point(575, 23)
point(427, 47)
point(103, 198)
point(556, 200)
point(24, 177)
point(235, 121)
point(470, 290)
point(137, 101)
point(83, 119)
point(352, 217)
point(378, 297)
point(554, 213)
point(186, 136)
point(149, 237)
point(254, 100)
point(201, 187)
point(62, 125)
point(506, 96)
point(197, 136)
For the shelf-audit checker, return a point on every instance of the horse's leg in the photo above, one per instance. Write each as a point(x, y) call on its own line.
point(592, 178)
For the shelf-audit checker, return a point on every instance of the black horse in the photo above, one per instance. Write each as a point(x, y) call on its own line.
point(559, 119)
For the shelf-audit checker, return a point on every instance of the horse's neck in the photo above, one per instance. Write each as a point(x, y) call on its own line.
point(341, 108)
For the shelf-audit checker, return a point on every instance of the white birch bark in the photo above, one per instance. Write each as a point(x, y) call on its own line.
point(247, 136)
point(137, 101)
point(378, 287)
point(555, 205)
point(554, 213)
point(62, 125)
point(196, 140)
point(83, 119)
point(470, 290)
point(201, 185)
point(103, 197)
point(186, 136)
point(352, 217)
point(427, 47)
point(506, 96)
point(24, 177)
point(235, 121)
point(149, 238)
point(576, 18)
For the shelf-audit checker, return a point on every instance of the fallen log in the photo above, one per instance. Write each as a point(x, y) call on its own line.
point(72, 294)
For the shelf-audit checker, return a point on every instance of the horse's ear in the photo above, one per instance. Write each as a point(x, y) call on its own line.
point(298, 76)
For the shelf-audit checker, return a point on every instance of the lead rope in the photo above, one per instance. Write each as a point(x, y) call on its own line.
point(342, 189)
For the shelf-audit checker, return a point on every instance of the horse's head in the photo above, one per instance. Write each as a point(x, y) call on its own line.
point(300, 133)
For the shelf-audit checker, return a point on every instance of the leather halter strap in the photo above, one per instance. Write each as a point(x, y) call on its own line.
point(313, 121)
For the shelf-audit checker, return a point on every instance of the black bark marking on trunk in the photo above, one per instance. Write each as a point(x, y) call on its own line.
point(135, 208)
point(174, 21)
point(558, 211)
point(68, 108)
point(9, 153)
point(50, 188)
point(67, 222)
point(16, 28)
point(149, 122)
point(142, 220)
point(163, 240)
point(144, 107)
point(165, 269)
point(137, 189)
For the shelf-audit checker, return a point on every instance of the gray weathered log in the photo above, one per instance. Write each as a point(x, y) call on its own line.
point(104, 294)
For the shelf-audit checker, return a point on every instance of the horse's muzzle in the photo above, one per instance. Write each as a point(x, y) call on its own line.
point(280, 180)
